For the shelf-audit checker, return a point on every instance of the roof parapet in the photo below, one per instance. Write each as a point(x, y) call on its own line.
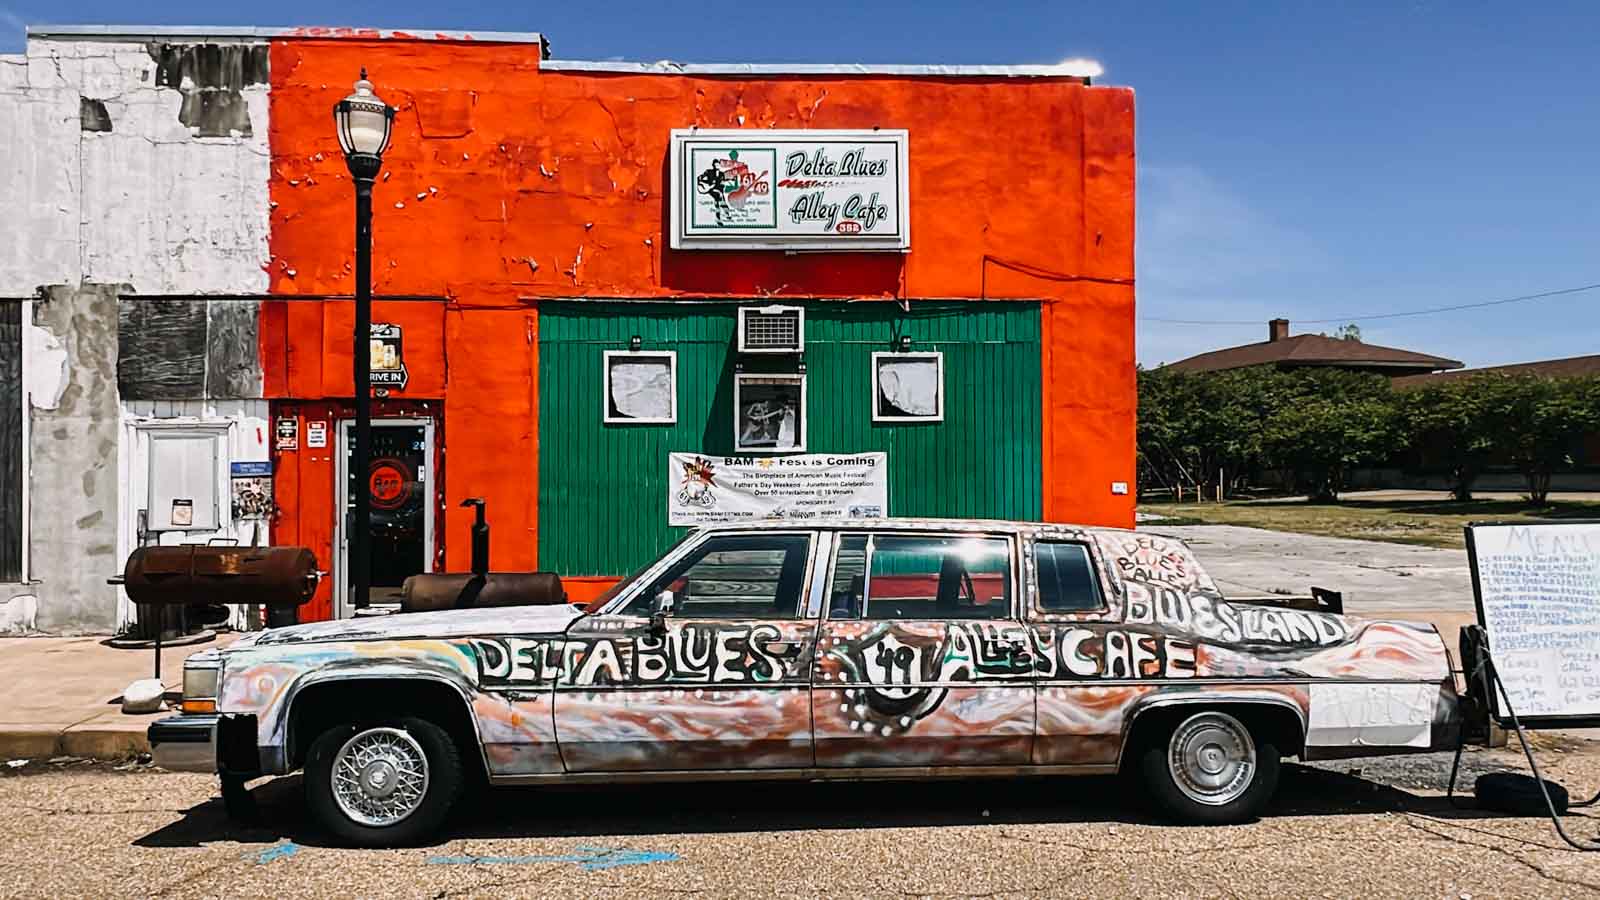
point(226, 33)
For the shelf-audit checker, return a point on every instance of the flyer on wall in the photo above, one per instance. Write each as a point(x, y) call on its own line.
point(703, 489)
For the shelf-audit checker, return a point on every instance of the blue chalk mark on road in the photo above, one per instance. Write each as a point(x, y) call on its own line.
point(280, 850)
point(590, 859)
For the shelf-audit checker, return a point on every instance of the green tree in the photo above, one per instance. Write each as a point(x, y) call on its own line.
point(1536, 422)
point(1195, 427)
point(1332, 421)
point(1347, 332)
point(1451, 427)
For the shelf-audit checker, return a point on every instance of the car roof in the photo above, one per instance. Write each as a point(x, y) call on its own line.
point(961, 526)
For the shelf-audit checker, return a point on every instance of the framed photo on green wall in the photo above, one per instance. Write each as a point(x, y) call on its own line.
point(908, 387)
point(769, 413)
point(641, 387)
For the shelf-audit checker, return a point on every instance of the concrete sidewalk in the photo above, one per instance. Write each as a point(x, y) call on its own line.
point(64, 696)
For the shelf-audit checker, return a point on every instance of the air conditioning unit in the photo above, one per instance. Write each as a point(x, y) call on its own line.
point(772, 329)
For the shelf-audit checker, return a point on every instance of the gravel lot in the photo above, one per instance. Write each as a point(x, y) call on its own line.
point(1363, 827)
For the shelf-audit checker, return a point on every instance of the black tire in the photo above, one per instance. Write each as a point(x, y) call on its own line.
point(1518, 794)
point(443, 784)
point(1243, 802)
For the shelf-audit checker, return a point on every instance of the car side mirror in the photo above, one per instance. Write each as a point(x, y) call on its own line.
point(660, 608)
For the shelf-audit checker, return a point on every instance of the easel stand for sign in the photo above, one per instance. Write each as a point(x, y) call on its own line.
point(1536, 585)
point(1482, 670)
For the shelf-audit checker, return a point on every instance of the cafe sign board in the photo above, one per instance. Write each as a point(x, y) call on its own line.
point(764, 189)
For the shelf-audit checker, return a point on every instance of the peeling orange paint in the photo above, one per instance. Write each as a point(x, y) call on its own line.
point(553, 184)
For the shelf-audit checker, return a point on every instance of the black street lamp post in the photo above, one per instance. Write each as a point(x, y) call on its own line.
point(364, 123)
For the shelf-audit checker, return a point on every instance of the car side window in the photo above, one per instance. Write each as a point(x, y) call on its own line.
point(936, 577)
point(1067, 579)
point(734, 577)
point(849, 577)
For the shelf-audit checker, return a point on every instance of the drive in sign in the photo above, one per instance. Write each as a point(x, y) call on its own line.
point(704, 489)
point(769, 189)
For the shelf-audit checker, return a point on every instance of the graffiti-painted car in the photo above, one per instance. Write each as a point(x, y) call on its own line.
point(868, 648)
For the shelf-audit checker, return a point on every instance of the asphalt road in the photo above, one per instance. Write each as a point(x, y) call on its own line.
point(1352, 828)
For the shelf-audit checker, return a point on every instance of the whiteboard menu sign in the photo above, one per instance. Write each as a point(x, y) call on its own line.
point(770, 189)
point(1538, 594)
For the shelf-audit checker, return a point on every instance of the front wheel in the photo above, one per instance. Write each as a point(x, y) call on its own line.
point(383, 784)
point(1211, 770)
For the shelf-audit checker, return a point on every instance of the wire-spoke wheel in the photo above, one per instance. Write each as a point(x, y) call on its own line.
point(380, 776)
point(1211, 769)
point(383, 783)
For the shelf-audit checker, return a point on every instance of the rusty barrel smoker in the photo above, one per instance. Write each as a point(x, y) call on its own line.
point(480, 588)
point(280, 578)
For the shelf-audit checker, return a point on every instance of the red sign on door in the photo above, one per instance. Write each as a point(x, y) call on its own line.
point(390, 482)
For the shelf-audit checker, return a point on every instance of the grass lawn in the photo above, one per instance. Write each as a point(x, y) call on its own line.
point(1432, 523)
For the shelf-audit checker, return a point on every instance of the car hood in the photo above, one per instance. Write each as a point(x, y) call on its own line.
point(451, 623)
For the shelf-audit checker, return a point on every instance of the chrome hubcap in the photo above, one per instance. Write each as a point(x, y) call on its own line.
point(1212, 758)
point(380, 776)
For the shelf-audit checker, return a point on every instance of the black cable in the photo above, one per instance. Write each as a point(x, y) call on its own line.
point(1534, 765)
point(1376, 316)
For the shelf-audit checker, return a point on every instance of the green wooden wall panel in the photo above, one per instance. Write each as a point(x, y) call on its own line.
point(602, 488)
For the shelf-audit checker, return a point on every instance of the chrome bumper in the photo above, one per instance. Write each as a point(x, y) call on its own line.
point(184, 743)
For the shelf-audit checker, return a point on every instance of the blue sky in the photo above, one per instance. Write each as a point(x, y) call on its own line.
point(1305, 159)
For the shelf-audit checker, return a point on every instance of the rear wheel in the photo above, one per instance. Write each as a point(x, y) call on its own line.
point(385, 783)
point(1210, 770)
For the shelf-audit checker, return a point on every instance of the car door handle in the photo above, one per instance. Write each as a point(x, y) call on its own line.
point(782, 648)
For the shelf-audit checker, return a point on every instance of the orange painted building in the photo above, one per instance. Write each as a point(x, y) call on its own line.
point(517, 188)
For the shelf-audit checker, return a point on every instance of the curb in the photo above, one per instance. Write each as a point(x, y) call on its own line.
point(87, 741)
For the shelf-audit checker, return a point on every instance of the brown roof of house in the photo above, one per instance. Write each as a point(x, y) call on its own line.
point(1312, 350)
point(1545, 368)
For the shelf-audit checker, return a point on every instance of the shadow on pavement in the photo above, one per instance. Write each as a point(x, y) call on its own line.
point(634, 810)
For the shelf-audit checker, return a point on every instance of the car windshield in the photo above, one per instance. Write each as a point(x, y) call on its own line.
point(599, 603)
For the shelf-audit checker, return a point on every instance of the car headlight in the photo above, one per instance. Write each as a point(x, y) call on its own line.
point(201, 679)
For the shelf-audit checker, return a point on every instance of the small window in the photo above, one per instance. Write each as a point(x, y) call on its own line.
point(849, 577)
point(1067, 580)
point(932, 577)
point(769, 413)
point(908, 387)
point(734, 577)
point(641, 387)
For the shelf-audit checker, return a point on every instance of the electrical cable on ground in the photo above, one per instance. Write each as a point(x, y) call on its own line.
point(1487, 667)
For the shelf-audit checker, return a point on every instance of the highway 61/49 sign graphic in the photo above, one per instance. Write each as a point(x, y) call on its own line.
point(789, 190)
point(388, 357)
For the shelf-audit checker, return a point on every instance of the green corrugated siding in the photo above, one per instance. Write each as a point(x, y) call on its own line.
point(603, 488)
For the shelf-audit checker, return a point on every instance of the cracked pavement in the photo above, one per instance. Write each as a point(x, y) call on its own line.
point(1356, 827)
point(1377, 578)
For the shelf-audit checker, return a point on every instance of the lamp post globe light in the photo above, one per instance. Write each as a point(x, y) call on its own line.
point(364, 123)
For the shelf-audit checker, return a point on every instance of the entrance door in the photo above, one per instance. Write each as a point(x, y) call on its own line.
point(922, 660)
point(400, 479)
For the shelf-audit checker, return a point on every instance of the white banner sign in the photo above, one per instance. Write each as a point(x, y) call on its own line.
point(787, 190)
point(703, 490)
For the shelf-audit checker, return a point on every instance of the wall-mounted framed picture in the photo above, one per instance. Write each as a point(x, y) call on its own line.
point(908, 387)
point(769, 413)
point(640, 387)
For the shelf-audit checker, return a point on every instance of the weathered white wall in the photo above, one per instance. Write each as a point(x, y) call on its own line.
point(39, 177)
point(147, 203)
point(114, 183)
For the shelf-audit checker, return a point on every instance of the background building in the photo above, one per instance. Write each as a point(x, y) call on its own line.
point(1299, 351)
point(178, 278)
